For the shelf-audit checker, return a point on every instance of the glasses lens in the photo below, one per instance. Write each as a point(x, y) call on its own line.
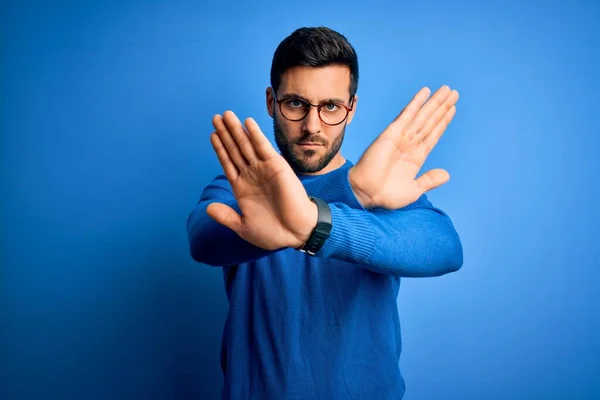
point(332, 113)
point(294, 109)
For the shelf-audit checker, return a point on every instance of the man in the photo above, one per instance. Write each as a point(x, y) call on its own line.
point(313, 247)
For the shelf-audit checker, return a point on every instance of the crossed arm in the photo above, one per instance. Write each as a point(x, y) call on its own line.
point(384, 222)
point(418, 240)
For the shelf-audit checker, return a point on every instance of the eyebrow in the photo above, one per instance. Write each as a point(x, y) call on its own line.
point(327, 100)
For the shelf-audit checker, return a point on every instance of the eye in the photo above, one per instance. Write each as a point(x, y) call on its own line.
point(295, 103)
point(330, 107)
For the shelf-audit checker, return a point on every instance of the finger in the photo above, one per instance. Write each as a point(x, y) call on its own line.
point(231, 171)
point(425, 113)
point(239, 135)
point(226, 216)
point(262, 146)
point(432, 179)
point(432, 139)
point(438, 115)
point(408, 113)
point(230, 145)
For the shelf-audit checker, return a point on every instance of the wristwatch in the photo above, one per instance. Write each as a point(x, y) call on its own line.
point(321, 231)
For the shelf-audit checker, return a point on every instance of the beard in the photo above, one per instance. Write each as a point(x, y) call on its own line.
point(307, 161)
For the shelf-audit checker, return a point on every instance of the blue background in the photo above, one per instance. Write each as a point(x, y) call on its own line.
point(106, 112)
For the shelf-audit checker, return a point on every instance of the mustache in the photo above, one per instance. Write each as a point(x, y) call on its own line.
point(313, 139)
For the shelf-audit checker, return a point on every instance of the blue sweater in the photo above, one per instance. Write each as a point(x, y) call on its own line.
point(322, 327)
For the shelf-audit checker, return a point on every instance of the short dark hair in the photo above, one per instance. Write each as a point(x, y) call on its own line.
point(314, 47)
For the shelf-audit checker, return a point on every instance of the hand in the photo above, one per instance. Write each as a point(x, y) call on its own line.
point(385, 176)
point(276, 210)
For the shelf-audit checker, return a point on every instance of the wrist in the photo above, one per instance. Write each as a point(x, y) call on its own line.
point(360, 196)
point(310, 222)
point(321, 230)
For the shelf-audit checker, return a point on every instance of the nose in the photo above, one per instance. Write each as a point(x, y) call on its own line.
point(312, 122)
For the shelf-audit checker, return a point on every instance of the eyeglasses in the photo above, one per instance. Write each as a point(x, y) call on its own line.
point(331, 113)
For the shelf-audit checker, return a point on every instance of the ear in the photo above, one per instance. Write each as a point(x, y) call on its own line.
point(351, 113)
point(270, 101)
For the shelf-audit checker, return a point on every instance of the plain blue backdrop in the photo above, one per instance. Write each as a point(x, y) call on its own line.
point(106, 113)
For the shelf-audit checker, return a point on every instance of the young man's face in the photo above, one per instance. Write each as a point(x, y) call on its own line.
point(310, 145)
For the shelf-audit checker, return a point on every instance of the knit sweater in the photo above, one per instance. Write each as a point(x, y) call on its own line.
point(323, 326)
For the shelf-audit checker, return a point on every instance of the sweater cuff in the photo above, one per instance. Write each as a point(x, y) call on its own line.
point(352, 237)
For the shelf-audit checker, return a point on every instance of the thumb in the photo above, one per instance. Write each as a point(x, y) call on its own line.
point(225, 215)
point(432, 179)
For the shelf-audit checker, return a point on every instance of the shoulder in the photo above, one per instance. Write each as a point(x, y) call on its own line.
point(218, 187)
point(219, 181)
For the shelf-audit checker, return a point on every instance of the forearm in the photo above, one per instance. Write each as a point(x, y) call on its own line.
point(418, 241)
point(214, 244)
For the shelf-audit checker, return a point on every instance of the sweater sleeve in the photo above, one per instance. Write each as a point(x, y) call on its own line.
point(418, 240)
point(212, 243)
point(216, 245)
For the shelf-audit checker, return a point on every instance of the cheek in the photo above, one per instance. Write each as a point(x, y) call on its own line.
point(290, 130)
point(332, 133)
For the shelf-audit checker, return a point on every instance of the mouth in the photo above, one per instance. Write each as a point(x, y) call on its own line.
point(309, 144)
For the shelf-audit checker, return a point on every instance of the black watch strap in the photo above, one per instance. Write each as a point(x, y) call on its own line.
point(321, 232)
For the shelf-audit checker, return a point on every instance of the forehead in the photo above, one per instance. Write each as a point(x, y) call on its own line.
point(316, 83)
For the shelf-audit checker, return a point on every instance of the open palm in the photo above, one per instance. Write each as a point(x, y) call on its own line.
point(386, 174)
point(276, 210)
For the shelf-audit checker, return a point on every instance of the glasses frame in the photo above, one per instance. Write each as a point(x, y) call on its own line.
point(279, 101)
